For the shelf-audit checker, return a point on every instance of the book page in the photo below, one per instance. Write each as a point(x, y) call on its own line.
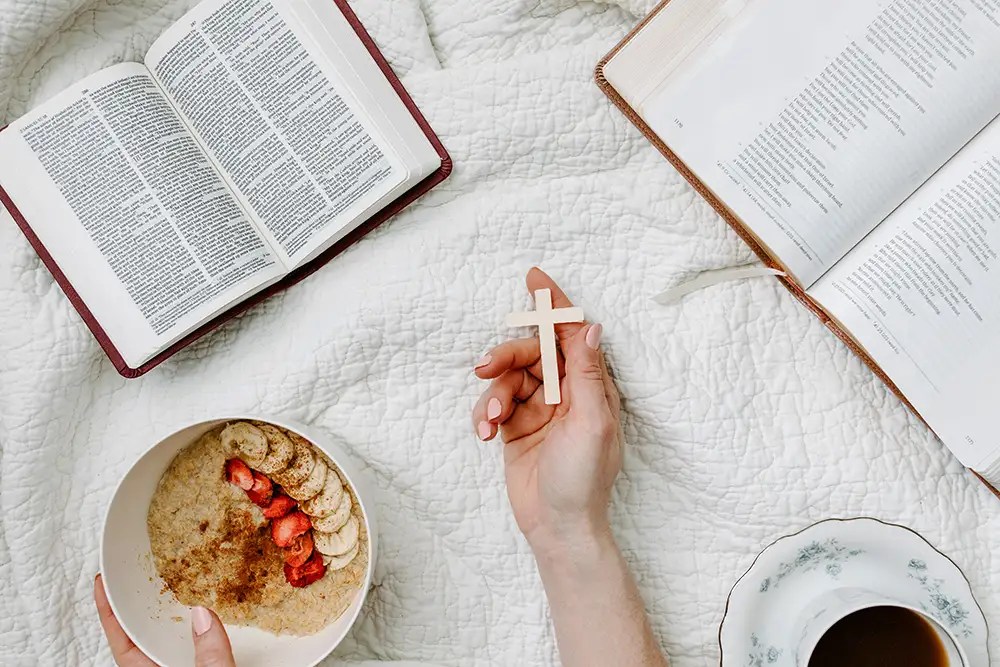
point(814, 120)
point(922, 295)
point(289, 137)
point(131, 210)
point(338, 51)
point(329, 36)
point(677, 31)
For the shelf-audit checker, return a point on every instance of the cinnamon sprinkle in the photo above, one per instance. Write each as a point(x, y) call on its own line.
point(231, 566)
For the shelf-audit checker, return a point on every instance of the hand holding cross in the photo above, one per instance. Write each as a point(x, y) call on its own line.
point(546, 318)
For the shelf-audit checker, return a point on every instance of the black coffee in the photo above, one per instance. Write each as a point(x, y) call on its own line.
point(880, 637)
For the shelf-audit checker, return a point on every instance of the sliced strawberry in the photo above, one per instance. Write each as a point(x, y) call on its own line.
point(311, 571)
point(239, 473)
point(299, 551)
point(260, 492)
point(279, 506)
point(287, 528)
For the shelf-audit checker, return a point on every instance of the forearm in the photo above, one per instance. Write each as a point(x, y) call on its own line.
point(598, 613)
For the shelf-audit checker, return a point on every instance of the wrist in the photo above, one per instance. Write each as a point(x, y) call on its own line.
point(572, 544)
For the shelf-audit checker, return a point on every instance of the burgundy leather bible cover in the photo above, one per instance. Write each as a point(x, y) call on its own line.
point(736, 223)
point(292, 278)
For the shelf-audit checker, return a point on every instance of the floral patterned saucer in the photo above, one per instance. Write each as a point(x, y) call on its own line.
point(763, 623)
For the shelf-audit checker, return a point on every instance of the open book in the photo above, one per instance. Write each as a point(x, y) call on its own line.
point(255, 141)
point(854, 145)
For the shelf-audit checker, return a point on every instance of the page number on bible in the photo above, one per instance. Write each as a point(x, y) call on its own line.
point(679, 123)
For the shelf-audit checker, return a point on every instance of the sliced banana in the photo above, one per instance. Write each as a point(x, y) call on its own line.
point(313, 484)
point(300, 466)
point(248, 440)
point(339, 543)
point(328, 500)
point(340, 475)
point(337, 520)
point(280, 450)
point(340, 562)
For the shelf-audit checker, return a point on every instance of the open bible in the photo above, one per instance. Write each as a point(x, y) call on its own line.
point(855, 146)
point(257, 140)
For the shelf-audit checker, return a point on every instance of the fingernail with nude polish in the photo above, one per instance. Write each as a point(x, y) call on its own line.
point(485, 430)
point(594, 334)
point(201, 620)
point(493, 409)
point(484, 362)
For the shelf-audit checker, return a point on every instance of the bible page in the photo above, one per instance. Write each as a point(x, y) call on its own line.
point(327, 34)
point(922, 295)
point(813, 120)
point(335, 45)
point(292, 141)
point(132, 210)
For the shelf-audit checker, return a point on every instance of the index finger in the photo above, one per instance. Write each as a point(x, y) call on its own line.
point(538, 279)
point(516, 354)
point(126, 653)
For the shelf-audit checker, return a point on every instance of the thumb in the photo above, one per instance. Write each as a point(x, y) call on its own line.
point(584, 373)
point(211, 643)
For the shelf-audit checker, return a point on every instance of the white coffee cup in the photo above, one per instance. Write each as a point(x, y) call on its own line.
point(827, 610)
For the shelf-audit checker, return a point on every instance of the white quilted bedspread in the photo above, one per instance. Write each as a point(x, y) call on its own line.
point(745, 418)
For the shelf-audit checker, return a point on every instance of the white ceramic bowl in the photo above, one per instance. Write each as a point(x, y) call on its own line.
point(149, 615)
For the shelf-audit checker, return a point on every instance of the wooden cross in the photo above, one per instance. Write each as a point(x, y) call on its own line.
point(546, 318)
